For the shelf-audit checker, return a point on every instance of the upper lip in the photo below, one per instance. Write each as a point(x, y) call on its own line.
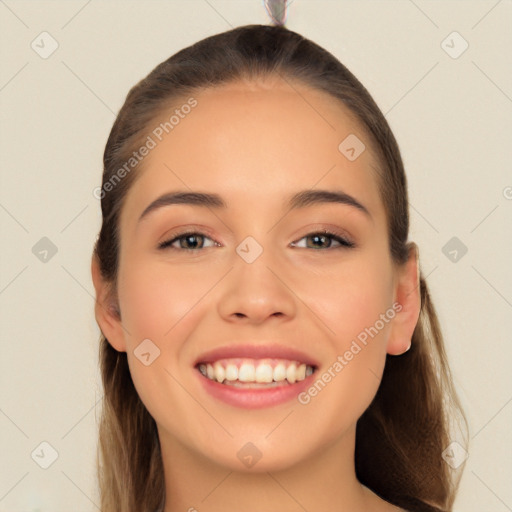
point(270, 351)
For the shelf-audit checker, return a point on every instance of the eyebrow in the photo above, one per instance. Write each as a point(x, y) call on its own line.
point(298, 200)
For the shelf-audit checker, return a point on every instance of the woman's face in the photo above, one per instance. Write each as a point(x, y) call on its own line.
point(258, 277)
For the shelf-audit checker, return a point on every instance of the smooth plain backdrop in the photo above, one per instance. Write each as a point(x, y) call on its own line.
point(66, 67)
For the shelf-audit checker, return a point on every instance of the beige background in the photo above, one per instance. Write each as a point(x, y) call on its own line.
point(451, 116)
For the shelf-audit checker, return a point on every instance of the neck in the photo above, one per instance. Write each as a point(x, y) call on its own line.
point(326, 477)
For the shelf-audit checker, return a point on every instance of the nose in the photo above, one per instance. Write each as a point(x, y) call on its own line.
point(254, 292)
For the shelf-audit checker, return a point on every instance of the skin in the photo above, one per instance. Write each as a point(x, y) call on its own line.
point(256, 144)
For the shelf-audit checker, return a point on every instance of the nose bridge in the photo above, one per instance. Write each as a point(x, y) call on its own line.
point(255, 289)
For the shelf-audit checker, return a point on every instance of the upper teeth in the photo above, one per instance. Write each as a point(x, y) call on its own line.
point(251, 370)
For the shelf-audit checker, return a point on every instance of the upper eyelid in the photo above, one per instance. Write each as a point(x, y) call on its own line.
point(203, 232)
point(315, 227)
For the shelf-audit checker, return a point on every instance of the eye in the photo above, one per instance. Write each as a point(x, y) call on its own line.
point(324, 239)
point(189, 240)
point(195, 240)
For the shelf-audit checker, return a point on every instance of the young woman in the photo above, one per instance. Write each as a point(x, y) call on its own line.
point(268, 340)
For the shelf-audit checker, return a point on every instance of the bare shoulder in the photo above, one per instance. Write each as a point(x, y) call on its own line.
point(377, 504)
point(385, 506)
point(388, 507)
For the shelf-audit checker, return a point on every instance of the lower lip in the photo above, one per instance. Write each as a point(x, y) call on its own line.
point(255, 398)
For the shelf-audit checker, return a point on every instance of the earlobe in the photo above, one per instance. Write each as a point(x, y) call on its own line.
point(407, 294)
point(106, 309)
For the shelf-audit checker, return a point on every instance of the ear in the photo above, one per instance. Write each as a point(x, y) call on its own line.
point(106, 309)
point(407, 294)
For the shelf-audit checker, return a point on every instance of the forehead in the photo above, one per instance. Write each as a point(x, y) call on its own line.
point(256, 142)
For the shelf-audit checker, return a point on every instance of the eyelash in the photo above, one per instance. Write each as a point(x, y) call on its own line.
point(344, 243)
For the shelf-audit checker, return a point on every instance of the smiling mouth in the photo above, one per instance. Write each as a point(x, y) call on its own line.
point(255, 373)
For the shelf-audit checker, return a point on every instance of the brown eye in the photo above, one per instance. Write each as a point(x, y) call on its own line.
point(324, 240)
point(187, 241)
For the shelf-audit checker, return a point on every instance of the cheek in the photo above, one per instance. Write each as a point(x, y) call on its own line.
point(156, 300)
point(350, 304)
point(163, 305)
point(352, 298)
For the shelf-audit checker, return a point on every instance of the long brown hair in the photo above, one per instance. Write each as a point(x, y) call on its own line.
point(401, 436)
